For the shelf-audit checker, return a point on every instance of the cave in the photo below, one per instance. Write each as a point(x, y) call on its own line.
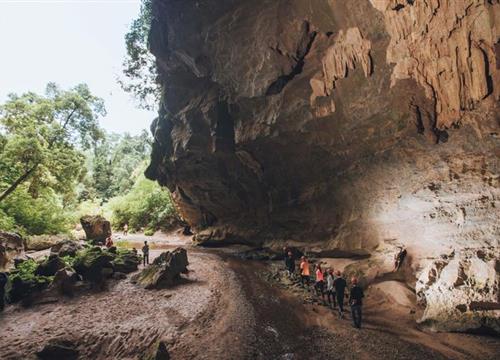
point(346, 127)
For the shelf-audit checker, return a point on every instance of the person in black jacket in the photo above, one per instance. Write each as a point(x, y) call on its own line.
point(340, 284)
point(356, 302)
point(3, 282)
point(290, 263)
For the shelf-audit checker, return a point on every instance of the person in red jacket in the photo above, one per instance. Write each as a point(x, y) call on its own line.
point(109, 242)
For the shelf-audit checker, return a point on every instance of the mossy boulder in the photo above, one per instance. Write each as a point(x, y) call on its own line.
point(94, 264)
point(50, 266)
point(66, 248)
point(126, 261)
point(164, 271)
point(24, 283)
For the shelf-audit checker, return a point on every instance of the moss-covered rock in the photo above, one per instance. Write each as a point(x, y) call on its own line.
point(126, 261)
point(94, 264)
point(66, 248)
point(164, 271)
point(24, 283)
point(50, 266)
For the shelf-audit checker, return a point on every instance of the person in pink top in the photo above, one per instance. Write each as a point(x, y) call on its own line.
point(320, 282)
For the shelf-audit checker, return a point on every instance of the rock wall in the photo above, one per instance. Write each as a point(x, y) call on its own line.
point(361, 124)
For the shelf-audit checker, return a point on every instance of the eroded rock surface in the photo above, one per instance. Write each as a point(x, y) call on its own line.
point(347, 125)
point(11, 247)
point(97, 228)
point(164, 271)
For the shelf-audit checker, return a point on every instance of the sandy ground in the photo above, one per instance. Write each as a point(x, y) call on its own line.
point(227, 309)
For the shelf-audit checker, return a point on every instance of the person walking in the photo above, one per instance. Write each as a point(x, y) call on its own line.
point(356, 301)
point(3, 281)
point(340, 284)
point(304, 271)
point(330, 289)
point(320, 283)
point(290, 263)
point(145, 253)
point(125, 229)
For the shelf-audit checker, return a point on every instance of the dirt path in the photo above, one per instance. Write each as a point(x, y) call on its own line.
point(227, 309)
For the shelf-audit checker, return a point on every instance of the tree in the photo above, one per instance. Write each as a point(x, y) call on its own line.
point(41, 138)
point(139, 66)
point(146, 205)
point(114, 159)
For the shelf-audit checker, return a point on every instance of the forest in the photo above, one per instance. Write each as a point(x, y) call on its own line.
point(57, 164)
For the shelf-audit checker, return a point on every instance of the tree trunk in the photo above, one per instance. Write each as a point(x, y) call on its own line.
point(18, 181)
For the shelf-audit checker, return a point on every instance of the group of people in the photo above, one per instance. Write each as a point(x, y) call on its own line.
point(330, 285)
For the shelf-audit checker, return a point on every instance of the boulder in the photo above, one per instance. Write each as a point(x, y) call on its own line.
point(162, 352)
point(24, 284)
point(64, 281)
point(50, 266)
point(11, 247)
point(126, 262)
point(58, 350)
point(94, 264)
point(96, 228)
point(119, 276)
point(42, 242)
point(66, 248)
point(164, 271)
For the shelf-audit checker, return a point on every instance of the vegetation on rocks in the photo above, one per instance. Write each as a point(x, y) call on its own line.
point(24, 281)
point(92, 263)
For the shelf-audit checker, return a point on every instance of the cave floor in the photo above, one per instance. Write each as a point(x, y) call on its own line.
point(228, 309)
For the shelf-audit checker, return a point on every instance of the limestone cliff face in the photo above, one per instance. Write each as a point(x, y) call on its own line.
point(360, 124)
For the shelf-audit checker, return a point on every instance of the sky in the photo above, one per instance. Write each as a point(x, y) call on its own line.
point(69, 42)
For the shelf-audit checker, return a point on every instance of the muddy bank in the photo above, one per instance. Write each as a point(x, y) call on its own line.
point(123, 322)
point(227, 308)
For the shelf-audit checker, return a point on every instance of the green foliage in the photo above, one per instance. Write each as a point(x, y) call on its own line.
point(57, 164)
point(41, 137)
point(7, 223)
point(24, 282)
point(41, 159)
point(28, 215)
point(114, 164)
point(147, 205)
point(139, 67)
point(69, 260)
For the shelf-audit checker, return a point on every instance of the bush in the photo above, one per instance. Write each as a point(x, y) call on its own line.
point(7, 223)
point(25, 214)
point(147, 205)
